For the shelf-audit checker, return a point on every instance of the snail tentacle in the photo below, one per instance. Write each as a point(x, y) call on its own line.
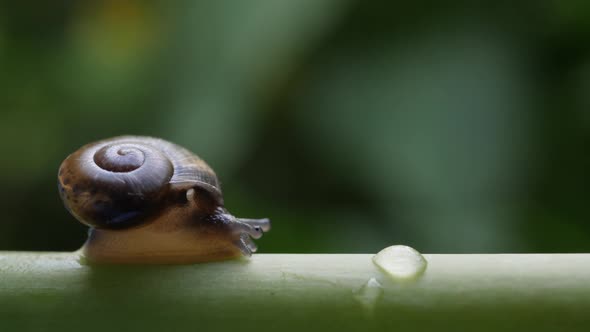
point(263, 223)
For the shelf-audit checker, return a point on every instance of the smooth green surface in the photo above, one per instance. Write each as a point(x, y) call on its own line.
point(278, 292)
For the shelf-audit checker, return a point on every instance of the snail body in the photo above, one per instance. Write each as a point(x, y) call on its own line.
point(147, 200)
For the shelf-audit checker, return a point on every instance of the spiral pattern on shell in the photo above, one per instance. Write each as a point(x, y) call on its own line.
point(124, 181)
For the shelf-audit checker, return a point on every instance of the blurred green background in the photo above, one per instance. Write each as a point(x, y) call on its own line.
point(353, 125)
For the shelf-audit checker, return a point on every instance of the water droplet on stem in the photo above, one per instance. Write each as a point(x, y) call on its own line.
point(369, 294)
point(401, 262)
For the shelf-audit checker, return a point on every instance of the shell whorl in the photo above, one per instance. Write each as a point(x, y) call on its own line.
point(138, 169)
point(123, 181)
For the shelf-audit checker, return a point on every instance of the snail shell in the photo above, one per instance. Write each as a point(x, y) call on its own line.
point(151, 201)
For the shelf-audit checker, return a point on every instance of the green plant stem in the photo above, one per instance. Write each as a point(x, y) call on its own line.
point(280, 292)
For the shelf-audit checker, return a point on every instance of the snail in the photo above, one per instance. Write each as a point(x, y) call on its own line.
point(148, 200)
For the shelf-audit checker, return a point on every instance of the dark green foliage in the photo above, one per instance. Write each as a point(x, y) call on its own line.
point(453, 127)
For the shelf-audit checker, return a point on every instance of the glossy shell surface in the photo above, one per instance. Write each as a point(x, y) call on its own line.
point(124, 181)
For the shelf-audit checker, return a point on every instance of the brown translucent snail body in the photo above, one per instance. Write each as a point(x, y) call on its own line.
point(151, 201)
